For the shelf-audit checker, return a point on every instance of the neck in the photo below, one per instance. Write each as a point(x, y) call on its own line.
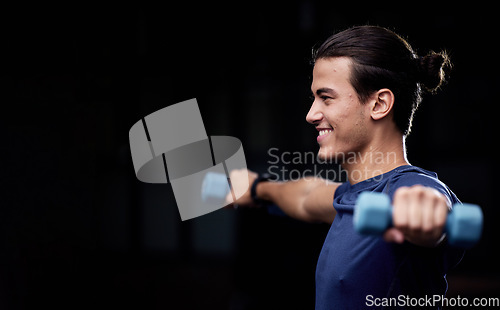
point(377, 158)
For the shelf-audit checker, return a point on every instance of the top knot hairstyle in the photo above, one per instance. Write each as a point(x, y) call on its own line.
point(382, 59)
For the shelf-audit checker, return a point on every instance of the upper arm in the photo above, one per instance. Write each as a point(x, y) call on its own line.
point(427, 181)
point(318, 204)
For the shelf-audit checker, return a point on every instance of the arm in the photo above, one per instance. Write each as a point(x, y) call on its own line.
point(309, 199)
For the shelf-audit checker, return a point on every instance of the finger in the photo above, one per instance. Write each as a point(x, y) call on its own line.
point(415, 207)
point(440, 215)
point(394, 235)
point(428, 217)
point(433, 229)
point(399, 212)
point(229, 198)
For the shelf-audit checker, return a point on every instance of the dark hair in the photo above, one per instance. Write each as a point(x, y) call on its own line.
point(382, 59)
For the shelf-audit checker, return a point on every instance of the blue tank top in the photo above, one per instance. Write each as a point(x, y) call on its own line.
point(353, 269)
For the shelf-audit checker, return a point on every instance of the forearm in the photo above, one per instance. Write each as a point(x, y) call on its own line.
point(308, 199)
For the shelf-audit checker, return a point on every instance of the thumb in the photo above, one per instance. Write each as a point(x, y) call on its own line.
point(394, 235)
point(229, 198)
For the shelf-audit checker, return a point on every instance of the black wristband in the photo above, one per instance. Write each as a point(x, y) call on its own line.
point(253, 190)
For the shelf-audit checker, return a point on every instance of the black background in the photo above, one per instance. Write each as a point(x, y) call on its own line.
point(78, 230)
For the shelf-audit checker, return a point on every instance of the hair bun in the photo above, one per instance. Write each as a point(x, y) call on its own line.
point(433, 69)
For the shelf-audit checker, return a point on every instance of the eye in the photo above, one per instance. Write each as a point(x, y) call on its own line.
point(325, 98)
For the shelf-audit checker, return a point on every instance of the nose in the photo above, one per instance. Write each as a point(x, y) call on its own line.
point(314, 116)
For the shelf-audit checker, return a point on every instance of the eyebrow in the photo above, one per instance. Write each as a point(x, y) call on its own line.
point(326, 90)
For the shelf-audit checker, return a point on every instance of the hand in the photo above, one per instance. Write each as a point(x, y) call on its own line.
point(239, 179)
point(419, 216)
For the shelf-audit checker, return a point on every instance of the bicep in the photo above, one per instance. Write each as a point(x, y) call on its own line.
point(318, 204)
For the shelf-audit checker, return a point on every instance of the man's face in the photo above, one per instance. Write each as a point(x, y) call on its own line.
point(336, 111)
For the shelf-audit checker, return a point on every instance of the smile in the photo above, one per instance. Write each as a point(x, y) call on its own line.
point(324, 132)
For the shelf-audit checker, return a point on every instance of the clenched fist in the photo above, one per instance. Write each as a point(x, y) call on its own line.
point(242, 180)
point(419, 216)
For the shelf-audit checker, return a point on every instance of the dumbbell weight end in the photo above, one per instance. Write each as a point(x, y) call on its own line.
point(373, 215)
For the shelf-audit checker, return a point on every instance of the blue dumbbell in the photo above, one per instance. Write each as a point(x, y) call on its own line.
point(214, 188)
point(373, 215)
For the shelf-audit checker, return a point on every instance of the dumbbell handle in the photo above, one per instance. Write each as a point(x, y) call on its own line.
point(373, 215)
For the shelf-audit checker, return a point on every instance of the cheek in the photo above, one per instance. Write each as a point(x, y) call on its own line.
point(342, 123)
point(349, 129)
point(336, 117)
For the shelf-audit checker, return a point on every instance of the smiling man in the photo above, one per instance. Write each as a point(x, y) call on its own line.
point(367, 84)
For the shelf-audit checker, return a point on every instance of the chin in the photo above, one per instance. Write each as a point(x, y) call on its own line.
point(326, 154)
point(332, 155)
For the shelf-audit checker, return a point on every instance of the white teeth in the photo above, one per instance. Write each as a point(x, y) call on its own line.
point(324, 132)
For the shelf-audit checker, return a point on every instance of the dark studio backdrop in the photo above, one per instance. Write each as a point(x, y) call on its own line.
point(79, 231)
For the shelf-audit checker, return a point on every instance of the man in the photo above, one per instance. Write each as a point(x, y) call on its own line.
point(367, 84)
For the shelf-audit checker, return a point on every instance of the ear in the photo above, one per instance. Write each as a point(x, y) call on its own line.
point(382, 104)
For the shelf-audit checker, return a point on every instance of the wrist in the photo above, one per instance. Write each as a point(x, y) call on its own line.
point(256, 195)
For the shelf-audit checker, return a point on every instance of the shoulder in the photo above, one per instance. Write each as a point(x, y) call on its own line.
point(412, 175)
